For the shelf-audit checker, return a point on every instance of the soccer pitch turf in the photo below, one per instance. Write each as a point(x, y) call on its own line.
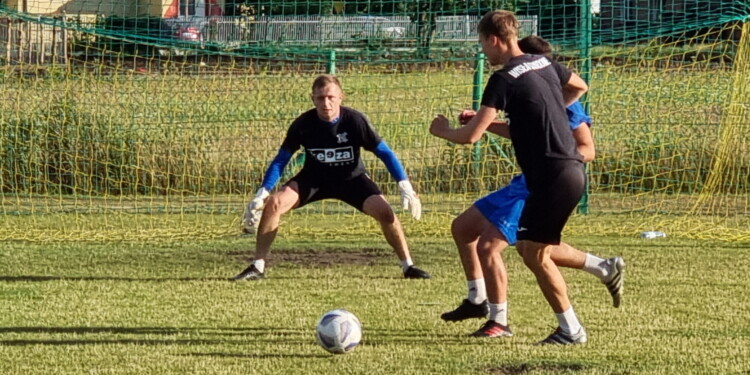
point(167, 308)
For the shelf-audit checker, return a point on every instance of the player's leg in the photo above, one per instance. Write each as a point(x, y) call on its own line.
point(490, 247)
point(552, 198)
point(276, 205)
point(363, 194)
point(536, 256)
point(465, 230)
point(494, 214)
point(379, 208)
point(611, 272)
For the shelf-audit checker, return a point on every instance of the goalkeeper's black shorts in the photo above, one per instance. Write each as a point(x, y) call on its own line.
point(353, 191)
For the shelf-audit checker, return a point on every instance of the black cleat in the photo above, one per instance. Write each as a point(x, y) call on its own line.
point(466, 310)
point(249, 273)
point(560, 337)
point(616, 279)
point(415, 273)
point(493, 329)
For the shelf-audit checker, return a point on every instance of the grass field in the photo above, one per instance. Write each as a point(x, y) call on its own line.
point(167, 308)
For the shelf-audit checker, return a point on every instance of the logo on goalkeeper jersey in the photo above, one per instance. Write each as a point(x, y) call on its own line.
point(333, 155)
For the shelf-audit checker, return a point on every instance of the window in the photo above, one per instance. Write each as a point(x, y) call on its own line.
point(190, 7)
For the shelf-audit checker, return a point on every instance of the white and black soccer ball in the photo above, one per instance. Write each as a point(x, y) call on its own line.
point(338, 331)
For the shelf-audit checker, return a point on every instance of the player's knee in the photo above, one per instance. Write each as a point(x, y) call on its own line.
point(387, 217)
point(484, 252)
point(274, 205)
point(383, 214)
point(531, 257)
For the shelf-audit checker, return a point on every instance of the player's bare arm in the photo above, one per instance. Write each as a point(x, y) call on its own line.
point(496, 127)
point(469, 133)
point(574, 89)
point(585, 142)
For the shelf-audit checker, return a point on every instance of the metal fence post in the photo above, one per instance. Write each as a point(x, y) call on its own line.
point(584, 50)
point(331, 68)
point(476, 96)
point(476, 99)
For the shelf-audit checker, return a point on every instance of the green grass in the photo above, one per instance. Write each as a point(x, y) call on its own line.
point(166, 308)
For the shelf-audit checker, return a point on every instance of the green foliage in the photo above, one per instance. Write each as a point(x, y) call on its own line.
point(558, 19)
point(79, 142)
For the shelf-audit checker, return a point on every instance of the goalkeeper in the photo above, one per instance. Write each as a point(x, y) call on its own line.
point(332, 137)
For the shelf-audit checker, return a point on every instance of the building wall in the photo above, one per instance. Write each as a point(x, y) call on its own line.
point(121, 8)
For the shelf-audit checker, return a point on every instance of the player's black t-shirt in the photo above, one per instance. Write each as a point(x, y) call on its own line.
point(332, 151)
point(529, 90)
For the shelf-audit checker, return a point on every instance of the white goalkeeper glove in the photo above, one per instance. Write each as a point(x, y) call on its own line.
point(254, 211)
point(409, 199)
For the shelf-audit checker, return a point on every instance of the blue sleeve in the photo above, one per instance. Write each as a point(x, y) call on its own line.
point(577, 115)
point(273, 173)
point(384, 153)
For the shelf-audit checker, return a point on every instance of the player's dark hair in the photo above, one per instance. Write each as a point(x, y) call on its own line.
point(500, 23)
point(535, 45)
point(324, 80)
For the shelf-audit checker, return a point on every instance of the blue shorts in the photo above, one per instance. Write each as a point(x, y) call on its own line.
point(503, 207)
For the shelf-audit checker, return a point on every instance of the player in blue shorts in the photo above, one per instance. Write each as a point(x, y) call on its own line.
point(533, 91)
point(332, 137)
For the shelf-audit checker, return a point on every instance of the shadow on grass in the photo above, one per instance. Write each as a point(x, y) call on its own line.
point(108, 342)
point(256, 355)
point(265, 335)
point(384, 337)
point(145, 330)
point(227, 335)
point(542, 367)
point(41, 278)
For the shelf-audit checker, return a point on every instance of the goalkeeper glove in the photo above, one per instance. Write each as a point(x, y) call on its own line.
point(254, 210)
point(409, 199)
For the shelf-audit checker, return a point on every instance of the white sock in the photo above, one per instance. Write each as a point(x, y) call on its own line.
point(596, 266)
point(499, 312)
point(406, 263)
point(568, 321)
point(477, 291)
point(260, 264)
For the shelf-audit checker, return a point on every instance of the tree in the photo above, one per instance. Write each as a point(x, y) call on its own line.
point(557, 19)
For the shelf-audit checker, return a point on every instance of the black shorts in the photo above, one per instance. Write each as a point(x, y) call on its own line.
point(353, 191)
point(550, 202)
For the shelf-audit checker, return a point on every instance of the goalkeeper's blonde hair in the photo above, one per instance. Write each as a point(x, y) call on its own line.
point(324, 80)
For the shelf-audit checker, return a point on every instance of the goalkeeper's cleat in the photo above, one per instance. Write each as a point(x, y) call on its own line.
point(559, 337)
point(249, 273)
point(616, 279)
point(493, 329)
point(466, 310)
point(415, 273)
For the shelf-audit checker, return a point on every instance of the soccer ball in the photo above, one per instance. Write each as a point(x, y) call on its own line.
point(338, 331)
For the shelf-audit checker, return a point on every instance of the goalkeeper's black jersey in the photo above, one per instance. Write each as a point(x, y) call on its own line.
point(332, 151)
